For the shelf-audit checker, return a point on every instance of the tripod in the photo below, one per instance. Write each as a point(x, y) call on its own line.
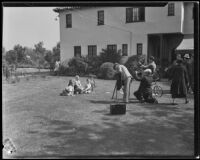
point(115, 90)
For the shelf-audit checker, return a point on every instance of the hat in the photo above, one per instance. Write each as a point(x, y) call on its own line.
point(187, 56)
point(147, 71)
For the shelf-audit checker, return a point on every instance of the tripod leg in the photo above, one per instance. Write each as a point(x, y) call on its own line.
point(114, 91)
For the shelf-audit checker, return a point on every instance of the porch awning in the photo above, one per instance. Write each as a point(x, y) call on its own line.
point(186, 44)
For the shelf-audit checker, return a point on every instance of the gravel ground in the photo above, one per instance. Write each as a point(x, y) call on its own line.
point(40, 123)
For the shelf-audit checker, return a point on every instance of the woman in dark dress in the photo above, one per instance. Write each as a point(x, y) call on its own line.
point(179, 83)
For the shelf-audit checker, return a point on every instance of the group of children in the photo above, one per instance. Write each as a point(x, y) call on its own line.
point(75, 87)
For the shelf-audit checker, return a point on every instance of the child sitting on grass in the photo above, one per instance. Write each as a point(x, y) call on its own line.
point(69, 90)
point(77, 86)
point(92, 81)
point(88, 87)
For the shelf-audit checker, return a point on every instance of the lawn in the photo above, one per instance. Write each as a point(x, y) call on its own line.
point(40, 123)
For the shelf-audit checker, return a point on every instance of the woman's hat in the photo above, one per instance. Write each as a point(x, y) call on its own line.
point(187, 56)
point(147, 71)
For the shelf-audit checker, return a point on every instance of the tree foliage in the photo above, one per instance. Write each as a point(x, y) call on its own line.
point(11, 57)
point(20, 53)
point(56, 52)
point(110, 56)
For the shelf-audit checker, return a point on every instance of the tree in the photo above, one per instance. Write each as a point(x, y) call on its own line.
point(110, 56)
point(56, 52)
point(20, 53)
point(49, 58)
point(40, 53)
point(11, 57)
point(3, 54)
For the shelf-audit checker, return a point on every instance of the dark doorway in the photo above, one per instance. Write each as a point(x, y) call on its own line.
point(154, 47)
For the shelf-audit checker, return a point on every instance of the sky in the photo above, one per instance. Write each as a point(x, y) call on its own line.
point(29, 25)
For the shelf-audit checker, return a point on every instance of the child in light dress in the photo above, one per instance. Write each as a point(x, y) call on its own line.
point(69, 90)
point(88, 87)
point(77, 85)
point(92, 82)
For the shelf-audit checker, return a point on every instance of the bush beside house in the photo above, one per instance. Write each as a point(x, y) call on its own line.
point(132, 63)
point(84, 66)
point(107, 71)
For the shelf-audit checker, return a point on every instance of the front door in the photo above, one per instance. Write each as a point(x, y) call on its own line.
point(154, 47)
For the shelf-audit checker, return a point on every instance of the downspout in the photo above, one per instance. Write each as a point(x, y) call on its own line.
point(182, 18)
point(131, 39)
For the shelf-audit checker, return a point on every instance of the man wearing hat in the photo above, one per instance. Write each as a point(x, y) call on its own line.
point(126, 78)
point(144, 91)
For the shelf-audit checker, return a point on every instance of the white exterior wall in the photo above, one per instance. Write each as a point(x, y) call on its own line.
point(115, 30)
point(188, 22)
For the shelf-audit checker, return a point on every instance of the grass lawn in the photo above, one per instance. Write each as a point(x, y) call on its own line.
point(40, 123)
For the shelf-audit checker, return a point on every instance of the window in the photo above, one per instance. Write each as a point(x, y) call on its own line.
point(139, 48)
point(129, 15)
point(68, 21)
point(92, 50)
point(136, 14)
point(100, 18)
point(171, 9)
point(124, 49)
point(112, 47)
point(77, 51)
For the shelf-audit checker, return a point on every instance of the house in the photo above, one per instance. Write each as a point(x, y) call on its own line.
point(155, 31)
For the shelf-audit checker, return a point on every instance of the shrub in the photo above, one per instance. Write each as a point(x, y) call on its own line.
point(132, 63)
point(63, 67)
point(79, 65)
point(123, 59)
point(94, 64)
point(62, 70)
point(107, 71)
point(110, 56)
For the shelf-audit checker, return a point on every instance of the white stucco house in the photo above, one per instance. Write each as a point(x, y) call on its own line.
point(156, 31)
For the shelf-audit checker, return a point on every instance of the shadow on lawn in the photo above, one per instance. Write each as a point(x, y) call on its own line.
point(113, 101)
point(119, 136)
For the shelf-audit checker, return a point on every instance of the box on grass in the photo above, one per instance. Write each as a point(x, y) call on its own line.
point(118, 108)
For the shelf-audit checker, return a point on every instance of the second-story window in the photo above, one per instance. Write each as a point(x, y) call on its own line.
point(129, 15)
point(92, 50)
point(77, 51)
point(124, 49)
point(136, 14)
point(100, 18)
point(171, 9)
point(68, 20)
